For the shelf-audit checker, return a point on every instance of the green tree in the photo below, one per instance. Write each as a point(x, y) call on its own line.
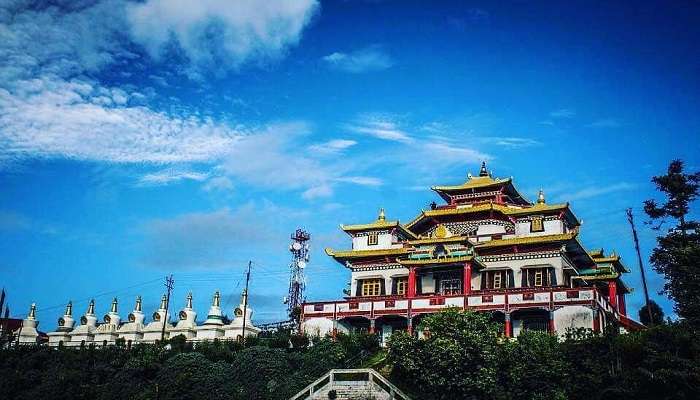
point(677, 254)
point(657, 314)
point(458, 360)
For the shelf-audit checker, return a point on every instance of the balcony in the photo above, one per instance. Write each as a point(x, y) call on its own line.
point(506, 300)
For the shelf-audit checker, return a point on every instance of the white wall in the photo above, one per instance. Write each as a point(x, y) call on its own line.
point(572, 317)
point(386, 274)
point(384, 241)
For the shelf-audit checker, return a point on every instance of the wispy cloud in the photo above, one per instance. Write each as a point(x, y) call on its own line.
point(171, 175)
point(381, 127)
point(361, 180)
point(371, 58)
point(214, 34)
point(605, 123)
point(334, 146)
point(563, 113)
point(511, 142)
point(595, 191)
point(218, 183)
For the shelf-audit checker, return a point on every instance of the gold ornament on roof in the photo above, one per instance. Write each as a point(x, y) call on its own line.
point(382, 216)
point(540, 197)
point(442, 232)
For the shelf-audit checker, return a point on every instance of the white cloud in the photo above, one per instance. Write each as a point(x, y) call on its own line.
point(605, 123)
point(364, 60)
point(218, 183)
point(361, 180)
point(323, 190)
point(596, 191)
point(563, 113)
point(53, 118)
point(171, 175)
point(380, 127)
point(219, 32)
point(211, 240)
point(334, 146)
point(512, 142)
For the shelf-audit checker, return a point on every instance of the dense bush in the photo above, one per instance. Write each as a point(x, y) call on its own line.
point(265, 369)
point(463, 358)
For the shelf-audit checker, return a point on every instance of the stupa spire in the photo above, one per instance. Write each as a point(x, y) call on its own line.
point(32, 312)
point(217, 299)
point(138, 304)
point(69, 308)
point(540, 197)
point(91, 308)
point(114, 305)
point(382, 215)
point(483, 171)
point(189, 300)
point(163, 300)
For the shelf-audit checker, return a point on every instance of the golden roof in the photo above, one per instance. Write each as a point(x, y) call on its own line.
point(473, 182)
point(365, 253)
point(380, 223)
point(526, 240)
point(599, 257)
point(506, 210)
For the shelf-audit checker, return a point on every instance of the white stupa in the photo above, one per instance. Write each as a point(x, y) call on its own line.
point(213, 326)
point(65, 325)
point(27, 333)
point(85, 332)
point(186, 324)
point(106, 333)
point(132, 331)
point(154, 330)
point(243, 312)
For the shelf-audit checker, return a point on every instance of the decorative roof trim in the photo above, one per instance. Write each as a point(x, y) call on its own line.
point(432, 261)
point(364, 253)
point(526, 240)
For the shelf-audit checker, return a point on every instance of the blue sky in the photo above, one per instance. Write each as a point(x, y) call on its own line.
point(139, 139)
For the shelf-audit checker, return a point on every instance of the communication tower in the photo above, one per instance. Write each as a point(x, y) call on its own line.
point(297, 283)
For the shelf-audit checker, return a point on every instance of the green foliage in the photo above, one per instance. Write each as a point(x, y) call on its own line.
point(677, 254)
point(463, 359)
point(456, 339)
point(657, 314)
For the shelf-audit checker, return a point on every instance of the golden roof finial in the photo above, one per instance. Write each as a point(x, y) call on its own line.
point(483, 171)
point(382, 216)
point(540, 197)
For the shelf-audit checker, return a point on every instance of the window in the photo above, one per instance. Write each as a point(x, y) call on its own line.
point(372, 239)
point(451, 286)
point(401, 286)
point(536, 224)
point(538, 278)
point(496, 279)
point(371, 287)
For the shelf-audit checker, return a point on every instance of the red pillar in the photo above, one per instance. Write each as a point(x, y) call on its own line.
point(411, 282)
point(621, 304)
point(551, 322)
point(612, 293)
point(596, 321)
point(467, 285)
point(371, 327)
point(508, 328)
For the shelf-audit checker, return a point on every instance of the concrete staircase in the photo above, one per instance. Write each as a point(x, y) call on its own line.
point(351, 384)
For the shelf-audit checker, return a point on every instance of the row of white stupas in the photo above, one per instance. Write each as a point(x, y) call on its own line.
point(136, 330)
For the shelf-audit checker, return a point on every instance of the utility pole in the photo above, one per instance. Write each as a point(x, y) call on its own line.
point(245, 302)
point(630, 218)
point(169, 283)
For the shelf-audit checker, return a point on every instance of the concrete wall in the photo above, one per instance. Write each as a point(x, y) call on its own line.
point(572, 317)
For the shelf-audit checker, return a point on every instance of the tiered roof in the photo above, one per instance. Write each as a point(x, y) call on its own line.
point(379, 224)
point(481, 188)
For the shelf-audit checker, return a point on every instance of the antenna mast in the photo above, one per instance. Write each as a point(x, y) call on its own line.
point(630, 219)
point(297, 283)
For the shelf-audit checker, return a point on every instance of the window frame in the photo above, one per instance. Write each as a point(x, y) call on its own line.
point(372, 239)
point(401, 285)
point(370, 286)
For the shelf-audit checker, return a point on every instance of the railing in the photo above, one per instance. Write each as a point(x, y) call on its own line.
point(512, 298)
point(336, 375)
